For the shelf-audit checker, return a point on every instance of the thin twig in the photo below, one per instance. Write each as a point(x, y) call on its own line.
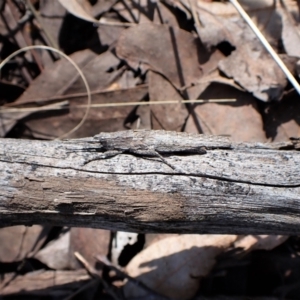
point(55, 106)
point(72, 96)
point(62, 105)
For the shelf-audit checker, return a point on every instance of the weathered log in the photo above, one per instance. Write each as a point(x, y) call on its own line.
point(152, 181)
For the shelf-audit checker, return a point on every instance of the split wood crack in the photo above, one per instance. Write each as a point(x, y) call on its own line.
point(139, 143)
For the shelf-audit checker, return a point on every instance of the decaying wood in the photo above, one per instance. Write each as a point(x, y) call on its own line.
point(152, 181)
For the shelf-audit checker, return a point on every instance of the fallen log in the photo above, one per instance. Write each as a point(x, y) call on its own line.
point(152, 181)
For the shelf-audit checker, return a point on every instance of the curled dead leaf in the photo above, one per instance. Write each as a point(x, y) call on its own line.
point(174, 266)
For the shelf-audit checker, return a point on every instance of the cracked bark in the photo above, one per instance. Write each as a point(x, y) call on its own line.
point(232, 188)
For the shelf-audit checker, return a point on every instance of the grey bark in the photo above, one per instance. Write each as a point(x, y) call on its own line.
point(152, 181)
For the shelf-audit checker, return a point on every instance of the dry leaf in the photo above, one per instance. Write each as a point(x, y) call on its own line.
point(151, 238)
point(240, 120)
point(226, 9)
point(105, 119)
point(144, 11)
point(102, 6)
point(164, 116)
point(175, 54)
point(53, 81)
point(89, 242)
point(265, 81)
point(9, 120)
point(52, 16)
point(174, 266)
point(79, 8)
point(290, 31)
point(18, 242)
point(56, 80)
point(143, 118)
point(136, 11)
point(61, 79)
point(109, 34)
point(56, 254)
point(45, 283)
point(263, 242)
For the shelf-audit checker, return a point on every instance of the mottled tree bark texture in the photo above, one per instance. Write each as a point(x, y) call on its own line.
point(152, 181)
